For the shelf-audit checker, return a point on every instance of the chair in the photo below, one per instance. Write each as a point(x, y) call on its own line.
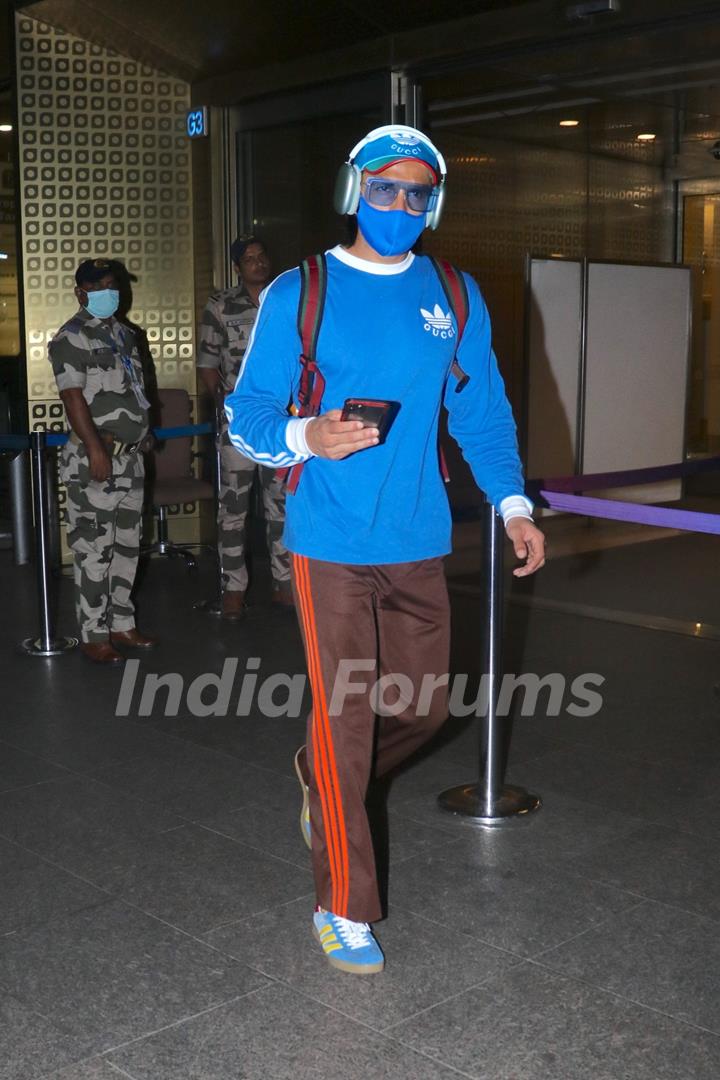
point(173, 481)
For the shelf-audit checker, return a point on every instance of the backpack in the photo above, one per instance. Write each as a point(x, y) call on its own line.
point(313, 289)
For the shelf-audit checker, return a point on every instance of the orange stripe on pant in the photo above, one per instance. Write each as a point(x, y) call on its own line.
point(328, 784)
point(315, 674)
point(323, 748)
point(369, 621)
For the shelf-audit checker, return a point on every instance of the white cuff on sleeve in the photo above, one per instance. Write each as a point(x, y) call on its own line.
point(295, 436)
point(515, 506)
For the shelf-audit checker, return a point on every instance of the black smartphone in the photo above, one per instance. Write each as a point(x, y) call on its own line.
point(372, 413)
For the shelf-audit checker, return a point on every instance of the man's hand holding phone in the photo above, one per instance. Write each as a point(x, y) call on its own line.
point(329, 436)
point(361, 423)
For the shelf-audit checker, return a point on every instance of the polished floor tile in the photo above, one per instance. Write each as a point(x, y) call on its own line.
point(196, 879)
point(426, 963)
point(529, 1024)
point(81, 743)
point(274, 1033)
point(110, 974)
point(523, 908)
point(95, 1069)
point(649, 790)
point(561, 826)
point(34, 1044)
point(20, 769)
point(189, 780)
point(71, 820)
point(657, 955)
point(659, 863)
point(156, 896)
point(33, 891)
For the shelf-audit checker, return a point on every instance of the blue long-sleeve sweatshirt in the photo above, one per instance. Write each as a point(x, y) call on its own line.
point(386, 334)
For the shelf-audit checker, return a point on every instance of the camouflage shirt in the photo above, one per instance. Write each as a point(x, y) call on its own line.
point(225, 329)
point(96, 356)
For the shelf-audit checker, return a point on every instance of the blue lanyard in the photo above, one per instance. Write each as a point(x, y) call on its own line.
point(126, 360)
point(124, 357)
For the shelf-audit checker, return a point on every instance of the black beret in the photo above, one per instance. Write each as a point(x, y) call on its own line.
point(241, 244)
point(92, 270)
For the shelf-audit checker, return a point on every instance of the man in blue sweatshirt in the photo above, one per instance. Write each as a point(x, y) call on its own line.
point(369, 522)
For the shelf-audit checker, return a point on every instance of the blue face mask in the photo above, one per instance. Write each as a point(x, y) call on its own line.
point(103, 303)
point(389, 232)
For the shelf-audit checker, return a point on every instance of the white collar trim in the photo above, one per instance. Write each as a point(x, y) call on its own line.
point(368, 267)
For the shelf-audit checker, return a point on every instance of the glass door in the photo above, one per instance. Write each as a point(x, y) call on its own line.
point(701, 251)
point(288, 150)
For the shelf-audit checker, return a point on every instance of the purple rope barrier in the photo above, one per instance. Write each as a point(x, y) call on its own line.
point(688, 520)
point(625, 477)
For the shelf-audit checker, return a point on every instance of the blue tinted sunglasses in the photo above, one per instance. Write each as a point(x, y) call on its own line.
point(418, 197)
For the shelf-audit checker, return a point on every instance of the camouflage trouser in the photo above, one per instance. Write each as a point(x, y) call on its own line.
point(104, 536)
point(236, 479)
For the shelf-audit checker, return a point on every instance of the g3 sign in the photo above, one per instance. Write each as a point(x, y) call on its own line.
point(197, 123)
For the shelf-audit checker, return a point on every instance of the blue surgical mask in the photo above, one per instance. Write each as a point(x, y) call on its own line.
point(103, 303)
point(389, 232)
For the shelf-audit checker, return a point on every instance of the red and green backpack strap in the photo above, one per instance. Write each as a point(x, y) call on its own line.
point(455, 290)
point(456, 293)
point(313, 289)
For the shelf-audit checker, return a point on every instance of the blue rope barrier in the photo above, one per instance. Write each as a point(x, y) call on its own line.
point(179, 432)
point(59, 438)
point(14, 442)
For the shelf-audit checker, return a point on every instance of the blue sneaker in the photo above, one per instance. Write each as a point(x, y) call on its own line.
point(305, 812)
point(349, 946)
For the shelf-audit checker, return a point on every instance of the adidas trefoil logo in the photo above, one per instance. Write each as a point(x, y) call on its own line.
point(437, 322)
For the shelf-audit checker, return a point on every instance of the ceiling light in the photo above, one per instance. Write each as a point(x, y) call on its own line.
point(5, 127)
point(569, 123)
point(647, 136)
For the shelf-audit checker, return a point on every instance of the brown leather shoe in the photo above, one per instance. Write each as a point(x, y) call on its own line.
point(233, 605)
point(100, 652)
point(133, 639)
point(283, 594)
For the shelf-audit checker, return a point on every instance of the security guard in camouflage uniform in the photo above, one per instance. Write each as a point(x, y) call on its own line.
point(224, 335)
point(98, 373)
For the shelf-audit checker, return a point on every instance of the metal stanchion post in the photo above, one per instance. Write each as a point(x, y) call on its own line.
point(46, 644)
point(20, 505)
point(214, 607)
point(490, 802)
point(52, 509)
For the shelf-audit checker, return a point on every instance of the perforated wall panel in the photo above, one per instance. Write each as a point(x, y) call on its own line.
point(105, 170)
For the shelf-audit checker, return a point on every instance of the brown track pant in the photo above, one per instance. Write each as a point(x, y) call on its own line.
point(360, 623)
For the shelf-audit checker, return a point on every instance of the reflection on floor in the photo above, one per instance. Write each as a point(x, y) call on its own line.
point(155, 894)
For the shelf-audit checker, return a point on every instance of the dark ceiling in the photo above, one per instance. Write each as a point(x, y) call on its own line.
point(478, 61)
point(197, 41)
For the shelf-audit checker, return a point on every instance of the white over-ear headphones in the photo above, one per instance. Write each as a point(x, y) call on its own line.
point(347, 185)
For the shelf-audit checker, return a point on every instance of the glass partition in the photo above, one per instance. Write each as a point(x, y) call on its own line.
point(291, 171)
point(701, 251)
